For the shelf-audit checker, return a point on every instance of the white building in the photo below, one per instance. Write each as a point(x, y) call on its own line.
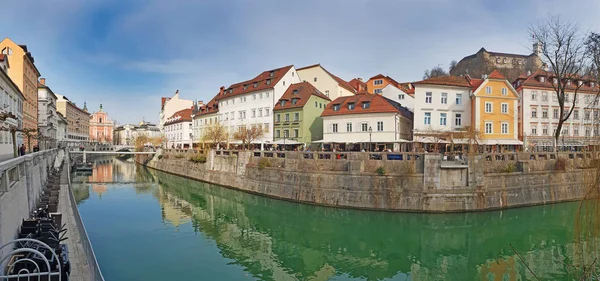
point(11, 105)
point(47, 117)
point(399, 95)
point(539, 111)
point(366, 120)
point(171, 105)
point(327, 83)
point(250, 103)
point(126, 134)
point(178, 129)
point(442, 104)
point(61, 128)
point(203, 116)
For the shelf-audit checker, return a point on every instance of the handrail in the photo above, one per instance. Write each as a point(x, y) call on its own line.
point(85, 240)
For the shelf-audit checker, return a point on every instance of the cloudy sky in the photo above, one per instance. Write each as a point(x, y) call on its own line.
point(126, 54)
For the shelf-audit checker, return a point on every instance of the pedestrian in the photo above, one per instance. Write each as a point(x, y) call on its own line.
point(22, 149)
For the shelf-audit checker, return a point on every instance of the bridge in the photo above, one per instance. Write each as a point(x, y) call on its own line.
point(108, 152)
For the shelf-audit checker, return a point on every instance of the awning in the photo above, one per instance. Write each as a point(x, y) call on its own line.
point(429, 140)
point(286, 142)
point(502, 142)
point(463, 141)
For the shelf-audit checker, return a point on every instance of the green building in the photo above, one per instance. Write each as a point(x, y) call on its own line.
point(297, 114)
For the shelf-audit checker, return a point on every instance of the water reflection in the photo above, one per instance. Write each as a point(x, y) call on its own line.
point(276, 240)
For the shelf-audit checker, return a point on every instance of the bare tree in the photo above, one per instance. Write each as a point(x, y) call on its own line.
point(214, 134)
point(434, 72)
point(472, 136)
point(563, 49)
point(29, 134)
point(453, 64)
point(248, 135)
point(592, 45)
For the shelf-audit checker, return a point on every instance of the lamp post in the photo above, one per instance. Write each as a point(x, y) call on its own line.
point(370, 140)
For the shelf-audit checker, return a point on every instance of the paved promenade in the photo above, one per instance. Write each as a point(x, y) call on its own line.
point(80, 269)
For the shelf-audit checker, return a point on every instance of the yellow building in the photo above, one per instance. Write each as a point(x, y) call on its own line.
point(25, 75)
point(494, 107)
point(78, 120)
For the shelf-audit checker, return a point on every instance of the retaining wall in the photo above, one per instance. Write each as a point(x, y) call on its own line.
point(411, 182)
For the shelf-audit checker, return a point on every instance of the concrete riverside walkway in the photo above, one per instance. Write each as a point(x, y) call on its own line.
point(80, 269)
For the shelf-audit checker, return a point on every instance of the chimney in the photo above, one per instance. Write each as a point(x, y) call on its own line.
point(177, 92)
point(221, 90)
point(359, 79)
point(43, 81)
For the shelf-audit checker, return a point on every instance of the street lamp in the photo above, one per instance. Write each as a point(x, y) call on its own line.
point(370, 140)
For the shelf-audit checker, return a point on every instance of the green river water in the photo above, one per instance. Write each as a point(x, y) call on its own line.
point(149, 225)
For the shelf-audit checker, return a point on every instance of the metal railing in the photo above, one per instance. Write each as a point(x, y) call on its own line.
point(90, 256)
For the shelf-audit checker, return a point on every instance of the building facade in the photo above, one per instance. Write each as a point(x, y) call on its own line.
point(101, 127)
point(11, 99)
point(250, 103)
point(298, 114)
point(47, 117)
point(61, 128)
point(78, 127)
point(329, 84)
point(376, 83)
point(509, 65)
point(495, 113)
point(126, 134)
point(540, 110)
point(24, 74)
point(204, 116)
point(370, 122)
point(442, 105)
point(400, 95)
point(169, 106)
point(178, 129)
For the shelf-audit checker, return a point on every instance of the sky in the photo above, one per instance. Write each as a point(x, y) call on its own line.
point(127, 54)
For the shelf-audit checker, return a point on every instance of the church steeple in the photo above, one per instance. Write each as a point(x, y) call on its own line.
point(85, 106)
point(100, 107)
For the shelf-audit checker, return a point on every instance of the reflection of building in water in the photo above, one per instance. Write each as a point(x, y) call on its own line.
point(174, 210)
point(500, 270)
point(99, 189)
point(102, 171)
point(124, 171)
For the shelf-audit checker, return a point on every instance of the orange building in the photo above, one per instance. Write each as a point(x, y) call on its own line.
point(101, 128)
point(25, 75)
point(376, 83)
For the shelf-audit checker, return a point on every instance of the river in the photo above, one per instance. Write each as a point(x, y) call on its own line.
point(149, 225)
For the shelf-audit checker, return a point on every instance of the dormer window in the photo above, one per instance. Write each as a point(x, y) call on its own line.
point(268, 81)
point(569, 82)
point(542, 79)
point(350, 105)
point(295, 92)
point(245, 86)
point(255, 85)
point(591, 84)
point(554, 80)
point(282, 103)
point(272, 73)
point(366, 104)
point(336, 107)
point(579, 83)
point(294, 101)
point(230, 91)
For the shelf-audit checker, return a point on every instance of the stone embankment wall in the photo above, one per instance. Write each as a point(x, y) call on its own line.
point(394, 182)
point(21, 182)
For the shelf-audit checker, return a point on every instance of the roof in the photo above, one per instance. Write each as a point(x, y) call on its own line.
point(3, 57)
point(301, 92)
point(496, 75)
point(266, 80)
point(210, 107)
point(356, 84)
point(184, 115)
point(457, 81)
point(341, 82)
point(533, 81)
point(378, 104)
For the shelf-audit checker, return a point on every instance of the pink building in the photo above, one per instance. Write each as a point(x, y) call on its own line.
point(101, 128)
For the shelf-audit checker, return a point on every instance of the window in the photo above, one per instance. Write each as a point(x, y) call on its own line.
point(587, 132)
point(294, 101)
point(489, 127)
point(295, 133)
point(504, 91)
point(315, 79)
point(350, 105)
point(576, 114)
point(554, 98)
point(267, 127)
point(366, 104)
point(327, 92)
point(267, 94)
point(544, 112)
point(378, 91)
point(268, 81)
point(260, 95)
point(488, 107)
point(458, 119)
point(349, 127)
point(533, 95)
point(255, 85)
point(443, 119)
point(379, 126)
point(364, 127)
point(444, 99)
point(254, 97)
point(555, 113)
point(587, 115)
point(401, 96)
point(282, 103)
point(545, 130)
point(286, 133)
point(378, 82)
point(565, 130)
point(296, 116)
point(458, 98)
point(427, 120)
point(488, 90)
point(504, 128)
point(428, 97)
point(504, 108)
point(278, 117)
point(253, 113)
point(534, 130)
point(316, 104)
point(544, 96)
point(267, 111)
point(260, 112)
point(334, 128)
point(595, 114)
point(567, 98)
point(287, 117)
point(576, 131)
point(336, 107)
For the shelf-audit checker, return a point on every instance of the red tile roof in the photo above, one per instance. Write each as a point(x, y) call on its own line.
point(300, 91)
point(2, 56)
point(496, 75)
point(357, 84)
point(184, 115)
point(533, 81)
point(266, 80)
point(377, 76)
point(458, 81)
point(210, 107)
point(378, 104)
point(162, 102)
